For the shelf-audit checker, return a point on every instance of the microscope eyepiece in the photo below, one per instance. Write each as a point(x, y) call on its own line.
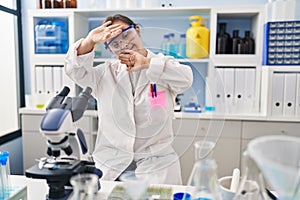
point(64, 92)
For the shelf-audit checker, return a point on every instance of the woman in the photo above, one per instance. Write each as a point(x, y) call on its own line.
point(135, 96)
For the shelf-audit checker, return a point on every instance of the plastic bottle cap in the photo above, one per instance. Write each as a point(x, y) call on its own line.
point(181, 196)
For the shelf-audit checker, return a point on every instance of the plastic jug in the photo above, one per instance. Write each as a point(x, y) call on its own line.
point(197, 39)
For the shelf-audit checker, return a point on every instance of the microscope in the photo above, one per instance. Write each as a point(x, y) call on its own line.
point(66, 144)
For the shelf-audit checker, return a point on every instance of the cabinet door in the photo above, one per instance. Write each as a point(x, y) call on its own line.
point(225, 133)
point(34, 147)
point(253, 129)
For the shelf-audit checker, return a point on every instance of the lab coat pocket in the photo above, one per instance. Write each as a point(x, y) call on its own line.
point(158, 101)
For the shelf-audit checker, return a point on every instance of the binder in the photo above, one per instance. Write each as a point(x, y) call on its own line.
point(239, 90)
point(57, 79)
point(229, 89)
point(250, 80)
point(297, 105)
point(48, 79)
point(219, 90)
point(39, 79)
point(277, 94)
point(290, 80)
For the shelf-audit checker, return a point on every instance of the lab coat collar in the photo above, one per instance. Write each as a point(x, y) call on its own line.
point(143, 79)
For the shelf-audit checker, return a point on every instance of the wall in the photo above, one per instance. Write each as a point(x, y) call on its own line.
point(14, 148)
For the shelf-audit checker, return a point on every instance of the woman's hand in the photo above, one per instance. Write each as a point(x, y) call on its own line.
point(134, 60)
point(100, 34)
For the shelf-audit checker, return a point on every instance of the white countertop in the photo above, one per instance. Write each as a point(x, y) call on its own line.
point(184, 115)
point(38, 188)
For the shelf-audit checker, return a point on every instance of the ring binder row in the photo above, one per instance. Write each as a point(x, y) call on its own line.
point(235, 90)
point(50, 79)
point(285, 99)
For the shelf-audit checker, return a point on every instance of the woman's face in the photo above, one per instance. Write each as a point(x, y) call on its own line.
point(128, 39)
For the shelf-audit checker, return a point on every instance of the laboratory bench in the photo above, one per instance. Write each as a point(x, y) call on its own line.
point(38, 188)
point(231, 132)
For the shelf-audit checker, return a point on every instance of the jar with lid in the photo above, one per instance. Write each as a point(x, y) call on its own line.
point(70, 4)
point(58, 4)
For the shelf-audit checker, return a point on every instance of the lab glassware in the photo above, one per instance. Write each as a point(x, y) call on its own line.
point(135, 185)
point(181, 46)
point(172, 46)
point(85, 186)
point(165, 45)
point(278, 157)
point(252, 184)
point(203, 181)
point(4, 175)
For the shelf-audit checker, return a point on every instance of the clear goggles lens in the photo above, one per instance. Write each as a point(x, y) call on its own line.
point(128, 34)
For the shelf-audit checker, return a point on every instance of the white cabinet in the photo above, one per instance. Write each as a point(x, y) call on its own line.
point(253, 129)
point(226, 134)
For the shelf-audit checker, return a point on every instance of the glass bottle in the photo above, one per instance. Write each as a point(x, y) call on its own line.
point(165, 44)
point(48, 4)
point(172, 45)
point(203, 181)
point(236, 42)
point(223, 40)
point(70, 4)
point(252, 184)
point(182, 46)
point(85, 186)
point(39, 4)
point(249, 43)
point(58, 4)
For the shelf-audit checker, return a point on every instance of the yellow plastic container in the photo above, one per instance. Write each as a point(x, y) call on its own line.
point(197, 39)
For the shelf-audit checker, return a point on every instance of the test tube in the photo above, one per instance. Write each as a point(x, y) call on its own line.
point(5, 172)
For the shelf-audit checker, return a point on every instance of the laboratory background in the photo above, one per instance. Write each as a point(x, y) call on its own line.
point(244, 55)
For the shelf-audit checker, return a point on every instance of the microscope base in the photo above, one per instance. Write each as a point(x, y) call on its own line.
point(59, 177)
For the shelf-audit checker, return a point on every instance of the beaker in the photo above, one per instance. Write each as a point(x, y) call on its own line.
point(85, 186)
point(203, 181)
point(252, 184)
point(135, 186)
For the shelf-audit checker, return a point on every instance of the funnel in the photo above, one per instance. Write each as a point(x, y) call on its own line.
point(278, 157)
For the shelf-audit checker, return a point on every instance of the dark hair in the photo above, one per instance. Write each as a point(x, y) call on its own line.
point(119, 17)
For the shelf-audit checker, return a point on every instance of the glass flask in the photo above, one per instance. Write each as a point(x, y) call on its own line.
point(252, 184)
point(85, 186)
point(135, 185)
point(203, 181)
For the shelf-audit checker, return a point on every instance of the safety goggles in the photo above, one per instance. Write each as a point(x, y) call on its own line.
point(124, 38)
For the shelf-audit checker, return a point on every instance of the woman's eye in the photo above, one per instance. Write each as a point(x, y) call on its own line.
point(115, 45)
point(125, 35)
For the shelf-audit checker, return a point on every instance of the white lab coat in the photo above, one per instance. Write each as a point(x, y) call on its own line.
point(130, 126)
